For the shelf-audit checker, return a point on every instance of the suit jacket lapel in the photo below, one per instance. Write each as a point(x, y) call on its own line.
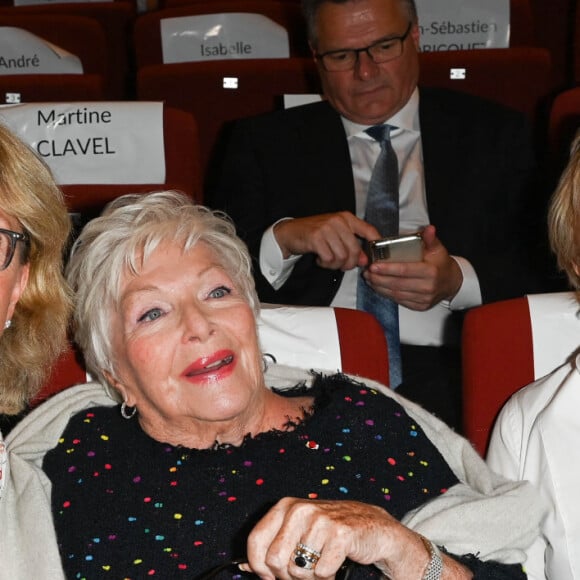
point(323, 140)
point(438, 148)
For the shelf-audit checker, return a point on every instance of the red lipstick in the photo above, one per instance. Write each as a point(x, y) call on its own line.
point(216, 365)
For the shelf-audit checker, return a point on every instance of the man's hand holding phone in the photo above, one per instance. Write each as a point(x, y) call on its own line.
point(334, 238)
point(417, 284)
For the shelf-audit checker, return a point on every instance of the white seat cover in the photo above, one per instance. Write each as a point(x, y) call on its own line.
point(301, 336)
point(555, 329)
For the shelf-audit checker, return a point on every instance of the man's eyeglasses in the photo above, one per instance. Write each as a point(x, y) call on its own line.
point(383, 50)
point(230, 571)
point(8, 240)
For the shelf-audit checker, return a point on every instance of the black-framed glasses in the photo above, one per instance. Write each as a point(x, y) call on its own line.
point(8, 240)
point(230, 571)
point(383, 50)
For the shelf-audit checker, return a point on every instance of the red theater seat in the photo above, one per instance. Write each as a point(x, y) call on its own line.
point(68, 370)
point(218, 92)
point(563, 124)
point(182, 169)
point(500, 355)
point(522, 31)
point(554, 30)
point(518, 77)
point(79, 35)
point(116, 20)
point(363, 346)
point(50, 88)
point(576, 47)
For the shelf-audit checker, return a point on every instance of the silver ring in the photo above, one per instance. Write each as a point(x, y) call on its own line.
point(305, 557)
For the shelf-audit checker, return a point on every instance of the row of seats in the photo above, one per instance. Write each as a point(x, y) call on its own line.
point(552, 24)
point(124, 61)
point(201, 103)
point(199, 109)
point(133, 40)
point(517, 77)
point(188, 139)
point(504, 348)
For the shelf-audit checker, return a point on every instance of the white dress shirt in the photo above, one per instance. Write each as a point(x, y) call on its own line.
point(419, 328)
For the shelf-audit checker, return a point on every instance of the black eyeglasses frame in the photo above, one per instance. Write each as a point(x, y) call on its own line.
point(356, 51)
point(14, 238)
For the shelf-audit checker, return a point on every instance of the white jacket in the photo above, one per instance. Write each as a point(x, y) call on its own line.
point(537, 438)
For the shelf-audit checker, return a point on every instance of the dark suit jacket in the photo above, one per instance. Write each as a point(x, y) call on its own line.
point(478, 164)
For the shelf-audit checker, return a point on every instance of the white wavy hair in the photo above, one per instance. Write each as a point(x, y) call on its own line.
point(121, 239)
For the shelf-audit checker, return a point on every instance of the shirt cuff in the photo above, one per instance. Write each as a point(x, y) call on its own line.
point(273, 266)
point(469, 293)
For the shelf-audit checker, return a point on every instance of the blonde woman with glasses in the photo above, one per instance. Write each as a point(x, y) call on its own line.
point(34, 310)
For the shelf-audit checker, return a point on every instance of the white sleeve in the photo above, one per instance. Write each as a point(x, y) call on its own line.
point(505, 447)
point(469, 293)
point(272, 263)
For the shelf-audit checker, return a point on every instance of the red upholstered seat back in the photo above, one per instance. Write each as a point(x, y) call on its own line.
point(116, 21)
point(518, 77)
point(51, 88)
point(79, 35)
point(363, 346)
point(498, 359)
point(182, 164)
point(256, 86)
point(563, 123)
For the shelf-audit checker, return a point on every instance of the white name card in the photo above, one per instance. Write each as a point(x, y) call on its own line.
point(463, 24)
point(23, 53)
point(222, 36)
point(94, 143)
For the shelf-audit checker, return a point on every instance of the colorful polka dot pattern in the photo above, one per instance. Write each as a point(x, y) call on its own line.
point(127, 506)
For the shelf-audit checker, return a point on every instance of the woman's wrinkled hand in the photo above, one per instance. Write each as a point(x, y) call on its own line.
point(363, 533)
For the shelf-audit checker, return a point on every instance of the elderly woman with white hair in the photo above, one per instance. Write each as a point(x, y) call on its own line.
point(202, 461)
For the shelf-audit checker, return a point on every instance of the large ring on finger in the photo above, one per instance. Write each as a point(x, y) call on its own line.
point(305, 557)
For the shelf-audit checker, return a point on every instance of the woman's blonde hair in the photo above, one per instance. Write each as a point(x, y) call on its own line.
point(564, 217)
point(37, 335)
point(121, 239)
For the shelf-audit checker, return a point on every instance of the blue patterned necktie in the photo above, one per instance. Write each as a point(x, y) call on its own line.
point(382, 211)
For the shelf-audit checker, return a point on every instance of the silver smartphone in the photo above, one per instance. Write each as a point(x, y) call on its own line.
point(407, 248)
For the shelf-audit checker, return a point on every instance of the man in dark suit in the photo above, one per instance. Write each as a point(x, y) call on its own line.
point(295, 184)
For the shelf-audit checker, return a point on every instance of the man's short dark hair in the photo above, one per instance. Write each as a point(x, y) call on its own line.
point(310, 10)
